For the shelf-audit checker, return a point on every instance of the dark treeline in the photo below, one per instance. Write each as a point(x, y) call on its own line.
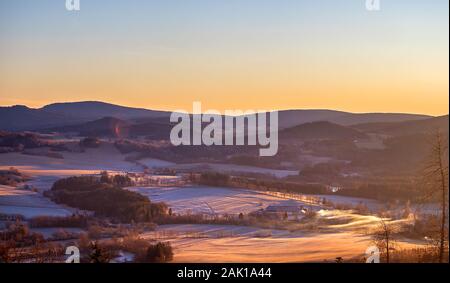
point(383, 190)
point(79, 221)
point(10, 142)
point(214, 179)
point(12, 177)
point(90, 142)
point(219, 179)
point(274, 185)
point(25, 140)
point(105, 199)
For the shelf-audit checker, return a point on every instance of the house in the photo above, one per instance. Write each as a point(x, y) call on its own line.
point(334, 188)
point(288, 206)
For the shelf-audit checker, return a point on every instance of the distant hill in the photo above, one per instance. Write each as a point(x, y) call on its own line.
point(406, 128)
point(105, 127)
point(152, 130)
point(92, 110)
point(19, 118)
point(321, 130)
point(113, 127)
point(290, 118)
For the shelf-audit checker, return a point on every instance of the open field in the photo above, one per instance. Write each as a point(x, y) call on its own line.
point(218, 243)
point(221, 200)
point(28, 203)
point(337, 233)
point(210, 200)
point(105, 157)
point(333, 233)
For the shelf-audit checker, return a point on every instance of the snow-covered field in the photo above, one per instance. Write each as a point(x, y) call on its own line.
point(210, 200)
point(155, 163)
point(28, 203)
point(316, 248)
point(210, 231)
point(372, 205)
point(221, 200)
point(105, 157)
point(338, 234)
point(223, 243)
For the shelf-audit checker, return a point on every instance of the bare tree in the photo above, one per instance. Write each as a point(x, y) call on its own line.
point(5, 249)
point(99, 254)
point(436, 183)
point(383, 238)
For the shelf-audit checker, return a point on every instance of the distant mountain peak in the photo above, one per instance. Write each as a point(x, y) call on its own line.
point(93, 110)
point(19, 106)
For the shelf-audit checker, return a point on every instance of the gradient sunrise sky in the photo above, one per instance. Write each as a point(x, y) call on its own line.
point(228, 54)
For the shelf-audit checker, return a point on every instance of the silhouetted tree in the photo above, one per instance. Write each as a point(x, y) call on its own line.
point(98, 255)
point(384, 238)
point(161, 252)
point(436, 183)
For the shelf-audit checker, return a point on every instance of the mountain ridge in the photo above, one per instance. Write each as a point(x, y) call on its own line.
point(19, 117)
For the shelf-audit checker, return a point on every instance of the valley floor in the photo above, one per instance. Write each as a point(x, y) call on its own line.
point(343, 233)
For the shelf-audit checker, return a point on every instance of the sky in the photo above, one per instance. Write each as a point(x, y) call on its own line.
point(228, 54)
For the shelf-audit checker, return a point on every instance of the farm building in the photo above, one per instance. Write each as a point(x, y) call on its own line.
point(334, 188)
point(288, 206)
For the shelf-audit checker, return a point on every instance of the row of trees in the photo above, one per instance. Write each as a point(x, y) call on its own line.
point(117, 180)
point(79, 221)
point(382, 191)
